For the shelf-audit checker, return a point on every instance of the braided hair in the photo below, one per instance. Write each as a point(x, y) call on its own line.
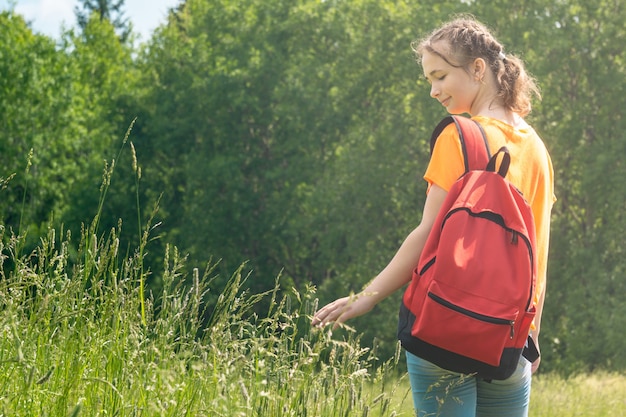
point(463, 40)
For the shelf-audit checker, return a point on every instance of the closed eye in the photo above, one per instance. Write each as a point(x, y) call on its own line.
point(437, 75)
point(438, 78)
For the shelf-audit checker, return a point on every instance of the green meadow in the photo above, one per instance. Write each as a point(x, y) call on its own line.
point(81, 337)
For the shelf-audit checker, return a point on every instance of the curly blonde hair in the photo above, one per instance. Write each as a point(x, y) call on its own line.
point(466, 40)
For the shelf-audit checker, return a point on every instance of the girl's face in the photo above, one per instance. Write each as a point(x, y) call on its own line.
point(455, 88)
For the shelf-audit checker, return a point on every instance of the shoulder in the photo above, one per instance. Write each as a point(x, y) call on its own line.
point(447, 147)
point(446, 138)
point(446, 162)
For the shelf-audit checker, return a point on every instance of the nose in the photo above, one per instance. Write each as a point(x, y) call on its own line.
point(434, 91)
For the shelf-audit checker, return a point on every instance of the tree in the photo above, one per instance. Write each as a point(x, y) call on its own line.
point(36, 141)
point(104, 82)
point(64, 111)
point(289, 134)
point(111, 10)
point(588, 303)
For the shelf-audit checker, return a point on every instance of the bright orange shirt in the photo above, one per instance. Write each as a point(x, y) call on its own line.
point(531, 172)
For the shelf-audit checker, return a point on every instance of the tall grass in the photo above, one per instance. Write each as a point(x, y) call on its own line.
point(74, 342)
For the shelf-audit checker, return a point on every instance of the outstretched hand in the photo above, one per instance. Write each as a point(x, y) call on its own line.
point(343, 309)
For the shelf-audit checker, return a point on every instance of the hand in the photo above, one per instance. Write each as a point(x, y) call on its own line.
point(535, 365)
point(343, 309)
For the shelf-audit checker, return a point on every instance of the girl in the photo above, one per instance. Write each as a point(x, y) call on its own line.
point(469, 72)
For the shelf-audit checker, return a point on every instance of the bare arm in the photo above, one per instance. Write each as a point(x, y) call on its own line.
point(393, 277)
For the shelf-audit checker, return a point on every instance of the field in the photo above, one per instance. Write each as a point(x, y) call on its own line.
point(82, 337)
point(597, 395)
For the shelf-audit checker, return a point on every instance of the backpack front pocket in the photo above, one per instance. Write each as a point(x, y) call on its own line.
point(466, 324)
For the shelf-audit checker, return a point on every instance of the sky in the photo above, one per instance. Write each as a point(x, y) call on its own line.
point(48, 16)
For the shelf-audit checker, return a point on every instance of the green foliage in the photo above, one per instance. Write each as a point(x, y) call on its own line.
point(34, 94)
point(291, 136)
point(104, 77)
point(64, 106)
point(274, 117)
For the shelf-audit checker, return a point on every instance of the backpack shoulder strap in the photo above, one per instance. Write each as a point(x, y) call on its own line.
point(474, 143)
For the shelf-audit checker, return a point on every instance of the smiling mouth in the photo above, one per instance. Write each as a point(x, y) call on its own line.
point(445, 102)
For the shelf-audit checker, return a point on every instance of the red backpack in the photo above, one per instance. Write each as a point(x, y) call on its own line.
point(469, 305)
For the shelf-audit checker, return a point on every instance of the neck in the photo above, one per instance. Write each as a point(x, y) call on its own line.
point(498, 112)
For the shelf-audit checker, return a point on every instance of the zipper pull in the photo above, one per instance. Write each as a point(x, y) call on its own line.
point(512, 324)
point(514, 237)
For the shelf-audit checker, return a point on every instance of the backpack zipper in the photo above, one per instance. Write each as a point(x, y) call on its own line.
point(473, 314)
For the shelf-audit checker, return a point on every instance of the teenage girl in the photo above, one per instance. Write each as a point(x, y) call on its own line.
point(469, 72)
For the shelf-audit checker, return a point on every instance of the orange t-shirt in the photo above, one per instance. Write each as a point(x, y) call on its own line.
point(531, 172)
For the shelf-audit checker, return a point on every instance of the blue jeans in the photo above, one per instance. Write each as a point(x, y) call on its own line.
point(438, 392)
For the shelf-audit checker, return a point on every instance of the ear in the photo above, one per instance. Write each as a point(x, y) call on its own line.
point(478, 68)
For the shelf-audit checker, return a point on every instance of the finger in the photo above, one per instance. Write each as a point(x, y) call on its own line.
point(319, 318)
point(339, 316)
point(330, 316)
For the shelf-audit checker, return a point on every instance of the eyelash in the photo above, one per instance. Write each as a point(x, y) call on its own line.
point(437, 78)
